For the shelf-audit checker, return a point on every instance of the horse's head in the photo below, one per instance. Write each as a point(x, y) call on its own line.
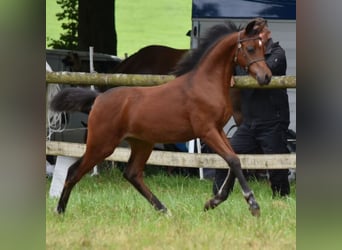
point(73, 61)
point(250, 52)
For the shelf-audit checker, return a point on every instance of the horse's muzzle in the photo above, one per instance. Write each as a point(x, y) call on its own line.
point(264, 80)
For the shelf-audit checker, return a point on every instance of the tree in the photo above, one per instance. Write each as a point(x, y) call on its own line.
point(87, 23)
point(69, 16)
point(97, 26)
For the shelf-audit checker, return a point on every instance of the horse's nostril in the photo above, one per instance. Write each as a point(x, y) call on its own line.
point(264, 80)
point(267, 78)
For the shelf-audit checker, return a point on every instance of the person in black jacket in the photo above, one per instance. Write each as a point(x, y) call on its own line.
point(265, 121)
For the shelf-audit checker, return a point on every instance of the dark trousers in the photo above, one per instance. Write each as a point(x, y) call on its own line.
point(263, 137)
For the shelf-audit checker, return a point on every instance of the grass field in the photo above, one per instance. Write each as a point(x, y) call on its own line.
point(106, 212)
point(140, 23)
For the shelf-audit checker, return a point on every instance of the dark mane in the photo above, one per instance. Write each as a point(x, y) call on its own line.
point(214, 34)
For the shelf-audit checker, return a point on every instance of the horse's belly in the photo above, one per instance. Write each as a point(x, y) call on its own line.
point(161, 132)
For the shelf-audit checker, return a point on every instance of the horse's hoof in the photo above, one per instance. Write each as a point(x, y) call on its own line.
point(207, 206)
point(168, 213)
point(165, 211)
point(211, 204)
point(59, 210)
point(255, 209)
point(253, 205)
point(162, 210)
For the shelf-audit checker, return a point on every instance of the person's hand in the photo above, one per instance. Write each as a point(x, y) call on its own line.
point(232, 81)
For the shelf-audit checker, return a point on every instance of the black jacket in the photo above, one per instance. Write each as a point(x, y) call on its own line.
point(260, 105)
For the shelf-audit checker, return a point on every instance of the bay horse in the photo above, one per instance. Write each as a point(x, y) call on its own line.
point(153, 59)
point(195, 104)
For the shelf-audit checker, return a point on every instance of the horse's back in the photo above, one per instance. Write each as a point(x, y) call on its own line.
point(153, 98)
point(153, 59)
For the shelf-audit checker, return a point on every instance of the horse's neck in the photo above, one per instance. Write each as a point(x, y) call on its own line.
point(218, 63)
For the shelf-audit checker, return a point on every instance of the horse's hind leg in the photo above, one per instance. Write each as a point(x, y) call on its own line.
point(140, 152)
point(219, 143)
point(91, 157)
point(63, 200)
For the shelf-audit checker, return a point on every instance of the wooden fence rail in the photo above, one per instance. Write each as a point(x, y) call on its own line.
point(73, 78)
point(177, 159)
point(165, 158)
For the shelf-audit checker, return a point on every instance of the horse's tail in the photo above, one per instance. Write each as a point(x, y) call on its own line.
point(73, 99)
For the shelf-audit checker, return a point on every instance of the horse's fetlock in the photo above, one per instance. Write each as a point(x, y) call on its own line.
point(249, 195)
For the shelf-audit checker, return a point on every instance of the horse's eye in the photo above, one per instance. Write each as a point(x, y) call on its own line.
point(250, 49)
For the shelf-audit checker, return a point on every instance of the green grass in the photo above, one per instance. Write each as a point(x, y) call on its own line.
point(106, 212)
point(140, 23)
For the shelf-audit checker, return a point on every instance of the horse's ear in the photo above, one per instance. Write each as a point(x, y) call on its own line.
point(250, 28)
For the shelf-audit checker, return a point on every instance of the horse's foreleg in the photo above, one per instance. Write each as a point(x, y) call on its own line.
point(219, 143)
point(235, 165)
point(140, 152)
